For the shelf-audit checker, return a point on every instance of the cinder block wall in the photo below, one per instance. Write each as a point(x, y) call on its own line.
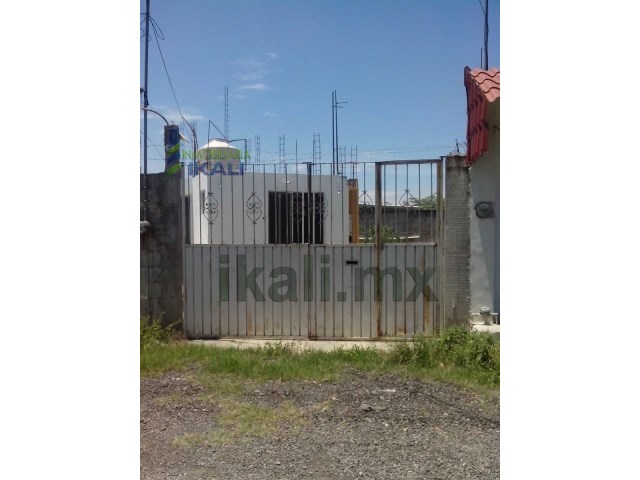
point(457, 251)
point(161, 250)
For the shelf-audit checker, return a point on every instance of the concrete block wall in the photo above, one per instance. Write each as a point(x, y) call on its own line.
point(161, 250)
point(457, 250)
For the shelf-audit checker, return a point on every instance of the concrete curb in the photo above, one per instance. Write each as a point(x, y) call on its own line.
point(320, 345)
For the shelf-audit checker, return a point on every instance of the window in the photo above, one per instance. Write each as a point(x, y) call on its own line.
point(291, 220)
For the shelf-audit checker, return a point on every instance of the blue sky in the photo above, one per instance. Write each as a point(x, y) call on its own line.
point(398, 64)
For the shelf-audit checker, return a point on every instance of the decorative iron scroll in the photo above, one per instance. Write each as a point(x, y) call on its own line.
point(298, 207)
point(365, 199)
point(320, 206)
point(409, 201)
point(211, 208)
point(254, 208)
point(366, 205)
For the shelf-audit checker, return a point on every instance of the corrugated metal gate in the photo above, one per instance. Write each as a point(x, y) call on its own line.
point(385, 284)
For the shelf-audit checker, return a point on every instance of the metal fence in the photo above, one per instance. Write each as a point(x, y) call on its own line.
point(331, 291)
point(313, 250)
point(313, 203)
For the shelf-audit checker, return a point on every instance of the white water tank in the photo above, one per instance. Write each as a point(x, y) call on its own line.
point(219, 150)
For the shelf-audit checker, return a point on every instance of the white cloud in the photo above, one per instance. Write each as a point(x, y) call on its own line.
point(251, 73)
point(191, 116)
point(269, 114)
point(251, 76)
point(259, 87)
point(248, 63)
point(173, 116)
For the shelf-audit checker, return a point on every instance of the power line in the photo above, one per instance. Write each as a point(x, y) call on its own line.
point(155, 27)
point(387, 150)
point(318, 156)
point(155, 146)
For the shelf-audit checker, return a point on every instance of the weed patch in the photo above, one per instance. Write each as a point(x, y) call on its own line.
point(152, 332)
point(456, 352)
point(471, 359)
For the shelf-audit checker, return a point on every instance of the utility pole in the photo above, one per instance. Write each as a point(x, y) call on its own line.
point(145, 202)
point(486, 34)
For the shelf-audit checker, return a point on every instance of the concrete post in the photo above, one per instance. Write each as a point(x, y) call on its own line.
point(161, 251)
point(456, 296)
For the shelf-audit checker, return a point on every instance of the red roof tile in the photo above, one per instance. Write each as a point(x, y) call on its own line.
point(483, 87)
point(488, 81)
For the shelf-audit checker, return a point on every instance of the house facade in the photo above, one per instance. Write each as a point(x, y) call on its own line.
point(483, 161)
point(234, 203)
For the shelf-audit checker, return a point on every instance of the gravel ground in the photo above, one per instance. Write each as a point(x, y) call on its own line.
point(358, 427)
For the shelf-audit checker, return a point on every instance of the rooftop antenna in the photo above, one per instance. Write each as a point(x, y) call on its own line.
point(354, 164)
point(209, 134)
point(333, 129)
point(194, 137)
point(336, 152)
point(257, 159)
point(317, 153)
point(281, 155)
point(226, 113)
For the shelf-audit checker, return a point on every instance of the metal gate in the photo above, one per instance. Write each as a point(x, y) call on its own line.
point(318, 255)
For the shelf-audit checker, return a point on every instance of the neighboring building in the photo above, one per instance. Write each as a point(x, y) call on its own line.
point(234, 203)
point(483, 159)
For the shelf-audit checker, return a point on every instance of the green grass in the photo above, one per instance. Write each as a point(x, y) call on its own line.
point(470, 359)
point(243, 421)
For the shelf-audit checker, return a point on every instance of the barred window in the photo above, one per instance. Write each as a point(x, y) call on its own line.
point(293, 218)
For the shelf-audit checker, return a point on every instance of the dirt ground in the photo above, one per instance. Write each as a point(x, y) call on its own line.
point(361, 426)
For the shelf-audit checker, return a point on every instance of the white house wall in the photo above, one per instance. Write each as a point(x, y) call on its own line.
point(232, 225)
point(198, 233)
point(485, 233)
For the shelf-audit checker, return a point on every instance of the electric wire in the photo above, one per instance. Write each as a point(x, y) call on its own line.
point(156, 29)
